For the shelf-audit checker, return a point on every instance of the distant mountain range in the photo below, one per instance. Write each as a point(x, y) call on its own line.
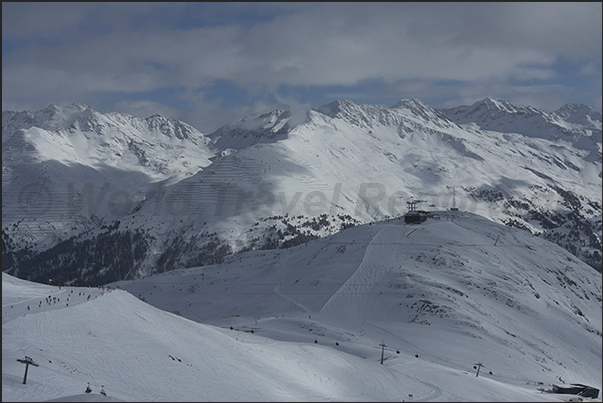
point(92, 198)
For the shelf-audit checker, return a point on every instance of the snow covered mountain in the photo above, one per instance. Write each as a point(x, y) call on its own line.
point(573, 126)
point(577, 124)
point(68, 169)
point(379, 312)
point(248, 131)
point(273, 182)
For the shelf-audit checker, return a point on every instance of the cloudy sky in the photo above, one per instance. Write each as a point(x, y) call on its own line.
point(210, 63)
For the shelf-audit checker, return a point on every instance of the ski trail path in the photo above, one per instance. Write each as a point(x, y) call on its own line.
point(353, 295)
point(299, 304)
point(38, 301)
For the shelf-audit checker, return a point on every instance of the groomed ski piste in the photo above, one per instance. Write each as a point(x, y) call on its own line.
point(310, 323)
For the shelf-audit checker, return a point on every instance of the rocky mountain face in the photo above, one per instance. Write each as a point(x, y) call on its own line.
point(579, 125)
point(91, 197)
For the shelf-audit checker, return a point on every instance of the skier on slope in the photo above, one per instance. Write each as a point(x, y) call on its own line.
point(88, 389)
point(102, 391)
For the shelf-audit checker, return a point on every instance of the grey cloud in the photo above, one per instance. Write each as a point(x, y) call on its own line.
point(340, 44)
point(131, 50)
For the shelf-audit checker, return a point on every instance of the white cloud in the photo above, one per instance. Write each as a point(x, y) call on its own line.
point(590, 69)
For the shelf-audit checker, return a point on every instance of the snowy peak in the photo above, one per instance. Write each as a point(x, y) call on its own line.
point(51, 118)
point(82, 124)
point(399, 115)
point(410, 103)
point(61, 112)
point(77, 135)
point(495, 105)
point(580, 114)
point(86, 120)
point(54, 117)
point(174, 129)
point(267, 127)
point(420, 109)
point(339, 108)
point(358, 114)
point(570, 123)
point(79, 117)
point(89, 120)
point(364, 116)
point(487, 110)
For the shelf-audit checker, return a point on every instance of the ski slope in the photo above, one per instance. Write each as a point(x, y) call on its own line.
point(140, 353)
point(306, 323)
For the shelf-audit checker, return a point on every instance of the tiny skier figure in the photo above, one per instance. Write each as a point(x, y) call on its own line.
point(88, 390)
point(102, 391)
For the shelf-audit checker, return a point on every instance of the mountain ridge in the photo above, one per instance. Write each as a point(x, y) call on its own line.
point(499, 115)
point(266, 183)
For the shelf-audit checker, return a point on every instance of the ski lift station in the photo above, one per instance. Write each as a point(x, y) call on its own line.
point(414, 216)
point(577, 389)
